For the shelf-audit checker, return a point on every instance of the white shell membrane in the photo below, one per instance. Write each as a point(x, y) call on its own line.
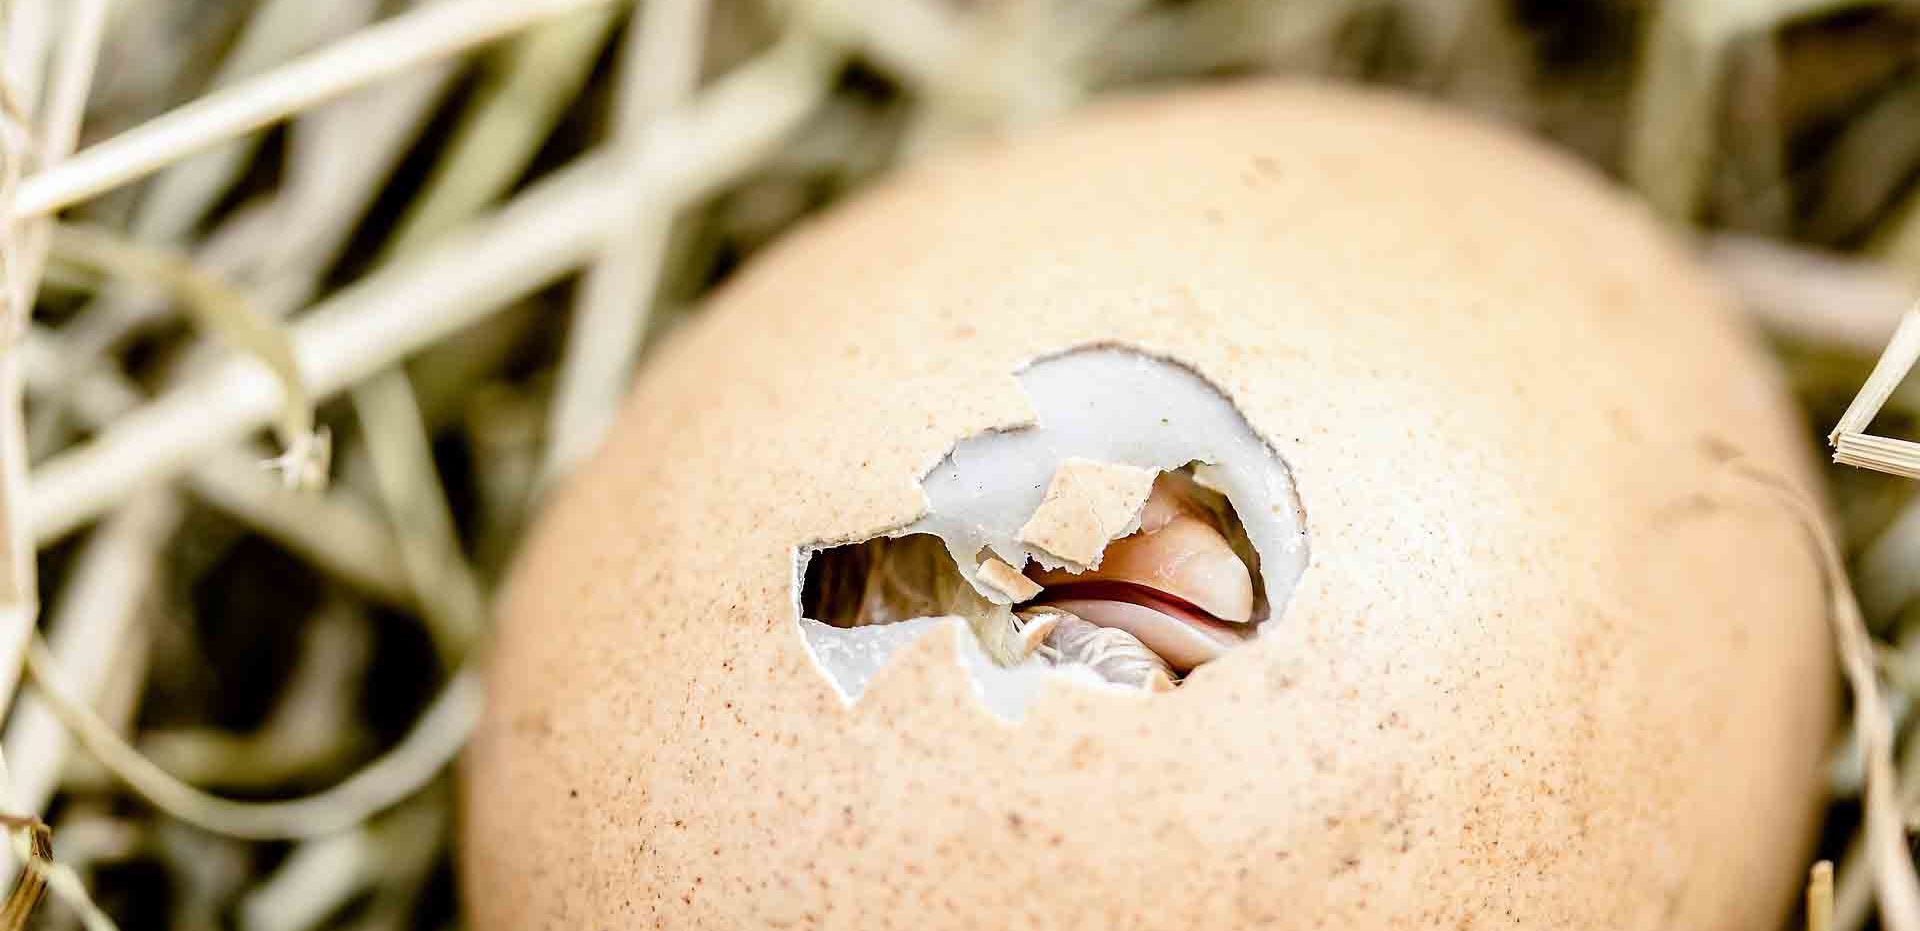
point(1105, 403)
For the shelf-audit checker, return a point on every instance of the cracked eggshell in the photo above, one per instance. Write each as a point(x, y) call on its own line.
point(1551, 663)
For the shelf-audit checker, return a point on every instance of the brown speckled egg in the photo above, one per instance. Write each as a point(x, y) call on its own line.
point(1532, 650)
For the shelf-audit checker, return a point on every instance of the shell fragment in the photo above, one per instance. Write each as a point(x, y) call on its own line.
point(1087, 505)
point(1007, 580)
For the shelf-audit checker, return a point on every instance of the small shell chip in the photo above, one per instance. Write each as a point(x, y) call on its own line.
point(1087, 504)
point(1007, 580)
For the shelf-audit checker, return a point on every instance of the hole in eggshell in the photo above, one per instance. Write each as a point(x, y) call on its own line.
point(1137, 529)
point(1174, 593)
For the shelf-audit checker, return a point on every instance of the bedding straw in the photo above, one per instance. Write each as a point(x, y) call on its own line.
point(405, 41)
point(659, 68)
point(543, 234)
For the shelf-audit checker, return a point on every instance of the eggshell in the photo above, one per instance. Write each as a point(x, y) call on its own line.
point(1087, 504)
point(1554, 663)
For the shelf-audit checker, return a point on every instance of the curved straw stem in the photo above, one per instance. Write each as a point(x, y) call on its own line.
point(1889, 861)
point(434, 741)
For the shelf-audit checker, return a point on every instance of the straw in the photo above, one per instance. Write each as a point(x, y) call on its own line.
point(405, 41)
point(659, 69)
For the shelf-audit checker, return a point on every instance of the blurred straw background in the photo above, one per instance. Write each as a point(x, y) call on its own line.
point(336, 289)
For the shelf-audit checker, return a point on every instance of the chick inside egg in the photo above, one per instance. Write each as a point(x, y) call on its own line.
point(1174, 593)
point(1133, 531)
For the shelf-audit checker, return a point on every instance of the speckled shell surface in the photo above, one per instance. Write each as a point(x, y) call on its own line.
point(1553, 664)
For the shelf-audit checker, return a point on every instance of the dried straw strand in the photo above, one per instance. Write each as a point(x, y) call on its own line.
point(660, 67)
point(1898, 359)
point(1888, 859)
point(433, 741)
point(405, 41)
point(1882, 454)
point(1820, 897)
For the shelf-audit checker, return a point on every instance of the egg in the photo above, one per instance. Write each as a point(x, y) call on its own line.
point(1260, 506)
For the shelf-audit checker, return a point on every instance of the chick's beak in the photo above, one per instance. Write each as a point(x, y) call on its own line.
point(1176, 584)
